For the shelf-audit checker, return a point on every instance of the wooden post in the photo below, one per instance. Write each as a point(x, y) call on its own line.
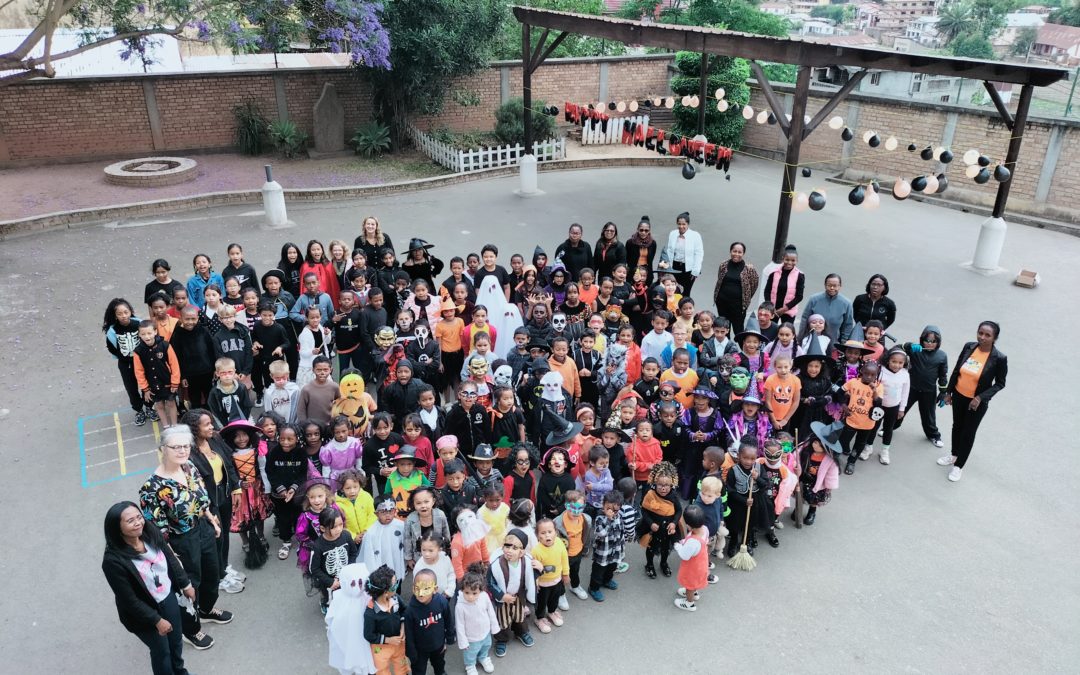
point(702, 93)
point(526, 84)
point(794, 145)
point(1013, 153)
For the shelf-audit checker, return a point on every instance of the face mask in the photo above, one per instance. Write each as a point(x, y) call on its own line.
point(503, 375)
point(576, 508)
point(422, 332)
point(384, 337)
point(478, 367)
point(404, 324)
point(740, 378)
point(558, 322)
point(424, 588)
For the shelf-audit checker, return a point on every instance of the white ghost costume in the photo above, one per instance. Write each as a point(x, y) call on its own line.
point(503, 315)
point(350, 653)
point(385, 545)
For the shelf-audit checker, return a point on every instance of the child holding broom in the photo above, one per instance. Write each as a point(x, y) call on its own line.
point(743, 481)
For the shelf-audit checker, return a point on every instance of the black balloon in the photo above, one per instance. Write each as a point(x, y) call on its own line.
point(918, 184)
point(846, 134)
point(857, 195)
point(984, 160)
point(876, 185)
point(983, 176)
point(611, 105)
point(911, 147)
point(688, 171)
point(1001, 174)
point(817, 201)
point(942, 183)
point(806, 172)
point(647, 103)
point(874, 141)
point(946, 157)
point(927, 153)
point(772, 118)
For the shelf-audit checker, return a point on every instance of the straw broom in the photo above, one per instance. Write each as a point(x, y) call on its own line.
point(743, 560)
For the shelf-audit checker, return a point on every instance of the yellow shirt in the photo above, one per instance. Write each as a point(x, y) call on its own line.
point(496, 520)
point(217, 465)
point(555, 560)
point(967, 383)
point(359, 515)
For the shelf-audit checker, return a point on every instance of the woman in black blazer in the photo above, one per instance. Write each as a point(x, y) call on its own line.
point(144, 576)
point(978, 375)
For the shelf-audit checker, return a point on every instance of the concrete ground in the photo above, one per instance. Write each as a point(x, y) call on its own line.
point(903, 572)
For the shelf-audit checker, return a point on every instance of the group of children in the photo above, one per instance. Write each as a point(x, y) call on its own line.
point(593, 415)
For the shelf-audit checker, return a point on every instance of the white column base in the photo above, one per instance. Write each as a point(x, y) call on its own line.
point(274, 204)
point(528, 178)
point(988, 247)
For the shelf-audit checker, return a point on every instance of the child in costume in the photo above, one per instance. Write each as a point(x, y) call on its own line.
point(405, 478)
point(242, 436)
point(485, 474)
point(746, 484)
point(704, 427)
point(555, 481)
point(469, 545)
point(611, 378)
point(384, 624)
point(341, 452)
point(379, 450)
point(929, 373)
point(895, 385)
point(332, 551)
point(354, 403)
point(750, 421)
point(574, 528)
point(493, 512)
point(820, 471)
point(779, 486)
point(693, 551)
point(671, 433)
point(429, 625)
point(317, 497)
point(816, 390)
point(350, 653)
point(512, 586)
point(520, 483)
point(384, 541)
point(863, 394)
point(660, 513)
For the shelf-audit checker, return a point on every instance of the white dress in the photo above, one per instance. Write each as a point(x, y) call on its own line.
point(503, 315)
point(385, 545)
point(350, 653)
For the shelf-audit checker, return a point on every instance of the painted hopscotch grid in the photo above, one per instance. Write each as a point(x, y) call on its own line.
point(111, 449)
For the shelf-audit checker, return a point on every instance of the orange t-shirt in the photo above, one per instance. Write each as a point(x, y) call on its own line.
point(588, 295)
point(860, 403)
point(448, 333)
point(781, 394)
point(575, 541)
point(686, 383)
point(967, 383)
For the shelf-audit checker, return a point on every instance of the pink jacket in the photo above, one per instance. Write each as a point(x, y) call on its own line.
point(828, 475)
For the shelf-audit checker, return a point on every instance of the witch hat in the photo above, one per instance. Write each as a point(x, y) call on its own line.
point(752, 328)
point(813, 353)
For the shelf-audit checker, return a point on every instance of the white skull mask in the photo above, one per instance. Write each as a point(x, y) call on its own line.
point(503, 375)
point(422, 333)
point(558, 322)
point(552, 382)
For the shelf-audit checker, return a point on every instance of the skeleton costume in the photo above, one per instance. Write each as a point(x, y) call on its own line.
point(327, 560)
point(561, 327)
point(426, 356)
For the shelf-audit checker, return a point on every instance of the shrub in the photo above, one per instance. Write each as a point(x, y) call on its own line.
point(371, 139)
point(510, 122)
point(251, 128)
point(288, 139)
point(730, 73)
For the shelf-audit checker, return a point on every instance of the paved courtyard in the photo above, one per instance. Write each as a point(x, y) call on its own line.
point(903, 571)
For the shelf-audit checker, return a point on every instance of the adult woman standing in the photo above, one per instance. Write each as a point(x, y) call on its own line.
point(736, 283)
point(979, 374)
point(213, 460)
point(641, 249)
point(609, 251)
point(785, 285)
point(372, 241)
point(683, 253)
point(174, 499)
point(574, 253)
point(874, 303)
point(143, 572)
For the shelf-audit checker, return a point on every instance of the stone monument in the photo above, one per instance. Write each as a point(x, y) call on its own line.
point(329, 125)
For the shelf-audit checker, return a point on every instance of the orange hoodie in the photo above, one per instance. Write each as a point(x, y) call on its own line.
point(644, 455)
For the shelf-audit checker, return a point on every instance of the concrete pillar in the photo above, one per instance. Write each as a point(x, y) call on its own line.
point(152, 114)
point(528, 175)
point(504, 84)
point(988, 247)
point(1050, 161)
point(280, 99)
point(851, 120)
point(274, 201)
point(601, 94)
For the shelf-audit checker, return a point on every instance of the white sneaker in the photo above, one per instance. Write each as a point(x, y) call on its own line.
point(229, 585)
point(487, 664)
point(470, 670)
point(946, 460)
point(234, 573)
point(867, 451)
point(681, 603)
point(580, 592)
point(564, 604)
point(938, 443)
point(681, 592)
point(881, 431)
point(955, 474)
point(883, 456)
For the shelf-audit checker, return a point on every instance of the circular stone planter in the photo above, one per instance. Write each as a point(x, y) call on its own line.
point(151, 171)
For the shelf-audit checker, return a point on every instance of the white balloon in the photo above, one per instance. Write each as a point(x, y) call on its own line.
point(670, 102)
point(902, 188)
point(694, 101)
point(972, 170)
point(720, 93)
point(748, 112)
point(872, 200)
point(633, 106)
point(621, 106)
point(836, 122)
point(931, 185)
point(970, 157)
point(762, 117)
point(867, 136)
point(685, 101)
point(891, 143)
point(801, 202)
point(658, 101)
point(722, 106)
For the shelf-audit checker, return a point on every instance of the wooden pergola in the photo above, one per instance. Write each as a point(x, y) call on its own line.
point(805, 55)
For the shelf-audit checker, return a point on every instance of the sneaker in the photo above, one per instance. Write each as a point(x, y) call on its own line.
point(283, 552)
point(650, 571)
point(681, 592)
point(526, 639)
point(556, 618)
point(682, 603)
point(622, 567)
point(938, 443)
point(713, 579)
point(946, 460)
point(323, 608)
point(487, 665)
point(231, 571)
point(849, 468)
point(216, 615)
point(152, 415)
point(867, 451)
point(470, 670)
point(779, 524)
point(712, 565)
point(883, 456)
point(597, 595)
point(881, 431)
point(199, 641)
point(258, 401)
point(579, 592)
point(611, 585)
point(230, 585)
point(543, 625)
point(564, 605)
point(500, 649)
point(140, 419)
point(955, 474)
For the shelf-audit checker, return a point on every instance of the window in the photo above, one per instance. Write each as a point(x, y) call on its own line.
point(915, 88)
point(945, 99)
point(875, 79)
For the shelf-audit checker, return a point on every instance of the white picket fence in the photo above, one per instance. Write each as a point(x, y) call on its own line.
point(593, 132)
point(463, 161)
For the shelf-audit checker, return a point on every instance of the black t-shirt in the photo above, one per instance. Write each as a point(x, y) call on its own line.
point(499, 273)
point(348, 332)
point(156, 286)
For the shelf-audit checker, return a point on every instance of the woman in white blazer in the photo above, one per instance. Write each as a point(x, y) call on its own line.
point(683, 253)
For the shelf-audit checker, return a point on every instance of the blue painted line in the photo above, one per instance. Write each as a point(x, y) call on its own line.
point(104, 414)
point(129, 474)
point(82, 452)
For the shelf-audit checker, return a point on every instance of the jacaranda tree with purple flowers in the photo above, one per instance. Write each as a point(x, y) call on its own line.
point(246, 26)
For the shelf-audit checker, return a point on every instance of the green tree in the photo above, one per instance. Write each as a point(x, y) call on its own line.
point(972, 46)
point(1025, 37)
point(670, 12)
point(453, 39)
point(731, 74)
point(508, 45)
point(954, 19)
point(835, 13)
point(737, 15)
point(1068, 14)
